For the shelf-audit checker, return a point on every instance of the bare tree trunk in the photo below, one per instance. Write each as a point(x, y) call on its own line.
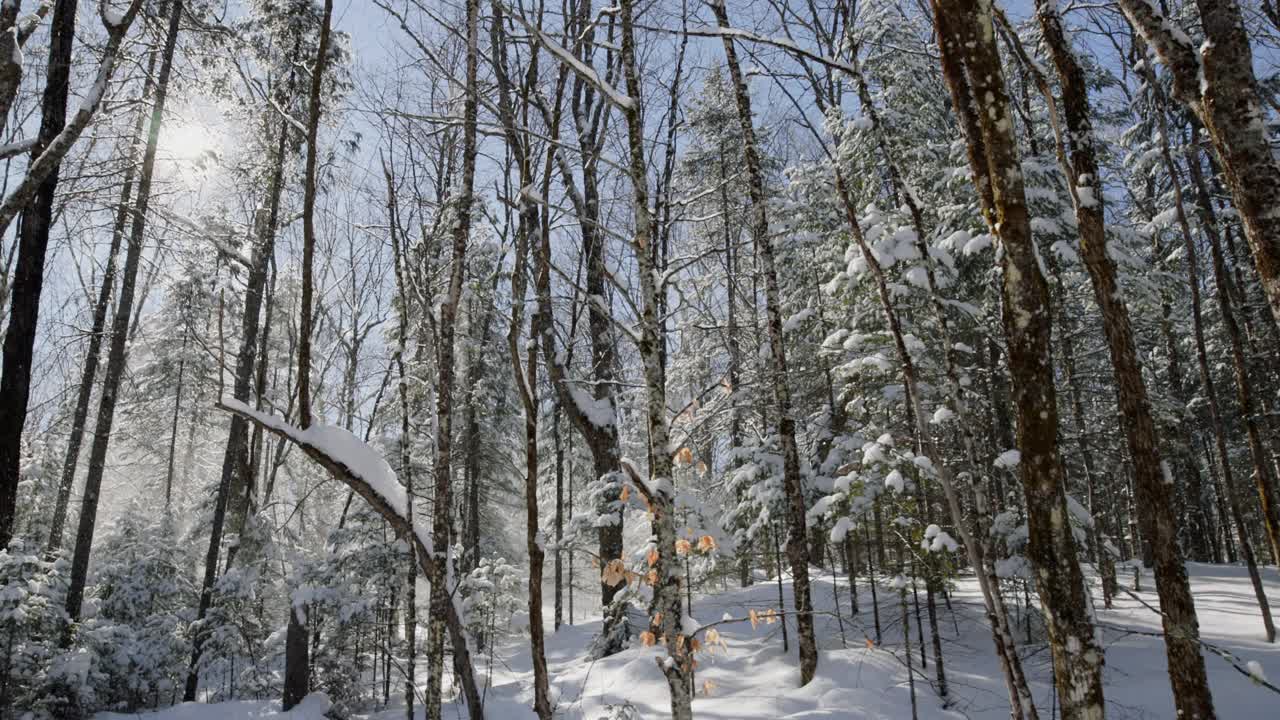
point(559, 522)
point(297, 662)
point(1052, 549)
point(173, 426)
point(1154, 498)
point(119, 331)
point(1097, 539)
point(1210, 392)
point(589, 110)
point(533, 539)
point(797, 542)
point(734, 369)
point(13, 35)
point(406, 453)
point(28, 280)
point(80, 415)
point(1219, 86)
point(665, 611)
point(1269, 503)
point(528, 233)
point(461, 232)
point(236, 472)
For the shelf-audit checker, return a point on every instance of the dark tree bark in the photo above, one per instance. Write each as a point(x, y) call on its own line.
point(1052, 549)
point(524, 367)
point(1154, 498)
point(80, 415)
point(797, 542)
point(297, 662)
point(1219, 86)
point(236, 475)
point(28, 279)
point(589, 110)
point(1269, 503)
point(1228, 489)
point(116, 356)
point(560, 515)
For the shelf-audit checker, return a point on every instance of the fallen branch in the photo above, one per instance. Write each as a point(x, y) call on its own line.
point(1220, 652)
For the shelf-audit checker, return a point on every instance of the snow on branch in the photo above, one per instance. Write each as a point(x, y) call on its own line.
point(367, 473)
point(352, 462)
point(748, 36)
point(1174, 48)
point(51, 156)
point(8, 150)
point(618, 98)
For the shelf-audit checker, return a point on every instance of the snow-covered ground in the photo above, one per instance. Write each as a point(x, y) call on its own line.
point(752, 678)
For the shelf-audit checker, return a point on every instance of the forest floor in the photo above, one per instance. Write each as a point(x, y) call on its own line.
point(752, 678)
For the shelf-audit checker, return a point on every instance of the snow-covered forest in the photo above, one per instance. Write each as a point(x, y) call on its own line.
point(853, 359)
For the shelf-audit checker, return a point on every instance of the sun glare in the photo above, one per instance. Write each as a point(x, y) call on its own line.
point(189, 143)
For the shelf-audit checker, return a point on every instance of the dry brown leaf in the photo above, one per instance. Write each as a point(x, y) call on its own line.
point(684, 457)
point(615, 573)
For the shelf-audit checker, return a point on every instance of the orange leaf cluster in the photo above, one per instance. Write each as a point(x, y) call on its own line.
point(684, 457)
point(615, 573)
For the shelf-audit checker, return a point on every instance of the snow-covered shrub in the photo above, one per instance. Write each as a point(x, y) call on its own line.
point(32, 595)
